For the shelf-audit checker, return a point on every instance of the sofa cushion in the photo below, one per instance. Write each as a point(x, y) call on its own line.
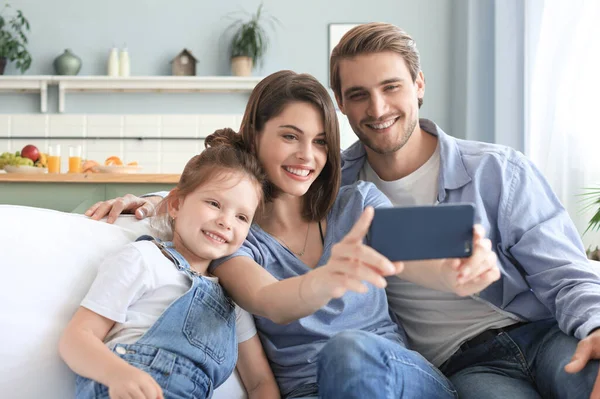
point(48, 261)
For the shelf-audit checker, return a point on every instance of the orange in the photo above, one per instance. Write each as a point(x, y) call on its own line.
point(114, 160)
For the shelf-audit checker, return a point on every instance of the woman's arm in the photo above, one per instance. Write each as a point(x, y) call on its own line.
point(350, 265)
point(255, 371)
point(258, 292)
point(82, 348)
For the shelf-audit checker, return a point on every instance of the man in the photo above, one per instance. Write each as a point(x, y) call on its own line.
point(517, 337)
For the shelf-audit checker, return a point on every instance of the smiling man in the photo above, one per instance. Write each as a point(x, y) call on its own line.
point(514, 338)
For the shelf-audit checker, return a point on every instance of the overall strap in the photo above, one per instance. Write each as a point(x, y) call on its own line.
point(167, 249)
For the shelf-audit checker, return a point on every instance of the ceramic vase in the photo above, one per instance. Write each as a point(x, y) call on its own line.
point(67, 64)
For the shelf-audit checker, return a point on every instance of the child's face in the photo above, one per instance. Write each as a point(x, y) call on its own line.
point(213, 221)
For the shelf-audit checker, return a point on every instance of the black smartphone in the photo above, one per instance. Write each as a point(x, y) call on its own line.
point(423, 232)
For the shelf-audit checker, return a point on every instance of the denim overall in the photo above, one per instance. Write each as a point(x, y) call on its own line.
point(192, 347)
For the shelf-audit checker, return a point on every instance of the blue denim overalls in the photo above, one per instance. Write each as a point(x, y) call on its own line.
point(192, 347)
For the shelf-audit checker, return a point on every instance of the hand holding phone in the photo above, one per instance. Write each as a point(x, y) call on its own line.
point(463, 260)
point(423, 232)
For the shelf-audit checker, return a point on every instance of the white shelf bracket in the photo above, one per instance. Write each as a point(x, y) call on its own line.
point(44, 96)
point(61, 97)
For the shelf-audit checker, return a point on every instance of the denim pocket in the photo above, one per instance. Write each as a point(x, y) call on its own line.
point(210, 324)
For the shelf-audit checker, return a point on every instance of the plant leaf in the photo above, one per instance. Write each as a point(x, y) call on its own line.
point(591, 200)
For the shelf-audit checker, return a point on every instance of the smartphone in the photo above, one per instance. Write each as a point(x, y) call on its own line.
point(423, 232)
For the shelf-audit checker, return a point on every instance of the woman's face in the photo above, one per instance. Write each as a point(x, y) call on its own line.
point(292, 148)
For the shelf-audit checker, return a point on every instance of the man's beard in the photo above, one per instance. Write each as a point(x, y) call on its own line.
point(366, 140)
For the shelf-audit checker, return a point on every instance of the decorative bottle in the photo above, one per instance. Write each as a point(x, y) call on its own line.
point(124, 69)
point(113, 62)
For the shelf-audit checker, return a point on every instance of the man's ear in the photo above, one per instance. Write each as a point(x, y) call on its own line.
point(340, 104)
point(420, 82)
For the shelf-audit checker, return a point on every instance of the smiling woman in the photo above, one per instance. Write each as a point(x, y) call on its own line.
point(286, 93)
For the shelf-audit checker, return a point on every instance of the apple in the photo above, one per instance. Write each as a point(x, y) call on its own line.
point(31, 152)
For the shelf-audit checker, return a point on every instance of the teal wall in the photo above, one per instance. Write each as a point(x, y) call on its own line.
point(155, 31)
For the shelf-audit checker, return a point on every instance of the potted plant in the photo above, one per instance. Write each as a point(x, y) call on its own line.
point(250, 41)
point(13, 40)
point(592, 201)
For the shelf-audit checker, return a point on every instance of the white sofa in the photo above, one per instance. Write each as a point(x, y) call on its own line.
point(48, 259)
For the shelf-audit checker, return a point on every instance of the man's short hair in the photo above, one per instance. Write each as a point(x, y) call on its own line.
point(375, 37)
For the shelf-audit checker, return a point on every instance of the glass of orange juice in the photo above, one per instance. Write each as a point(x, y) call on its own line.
point(75, 159)
point(54, 159)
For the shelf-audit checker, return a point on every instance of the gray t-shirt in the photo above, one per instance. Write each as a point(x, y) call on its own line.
point(436, 323)
point(293, 348)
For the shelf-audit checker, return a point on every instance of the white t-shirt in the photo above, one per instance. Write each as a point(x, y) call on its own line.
point(418, 188)
point(436, 323)
point(136, 285)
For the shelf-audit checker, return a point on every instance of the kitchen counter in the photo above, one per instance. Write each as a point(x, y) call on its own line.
point(142, 178)
point(77, 192)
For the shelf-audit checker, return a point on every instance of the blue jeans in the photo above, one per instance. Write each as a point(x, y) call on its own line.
point(360, 364)
point(527, 362)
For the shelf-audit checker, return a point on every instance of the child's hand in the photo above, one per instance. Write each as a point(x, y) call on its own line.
point(468, 276)
point(133, 383)
point(351, 264)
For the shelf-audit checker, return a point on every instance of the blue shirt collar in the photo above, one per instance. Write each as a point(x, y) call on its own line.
point(453, 173)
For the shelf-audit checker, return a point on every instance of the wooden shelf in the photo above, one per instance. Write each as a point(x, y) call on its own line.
point(158, 84)
point(89, 178)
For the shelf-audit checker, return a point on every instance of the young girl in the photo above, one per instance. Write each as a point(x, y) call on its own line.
point(154, 323)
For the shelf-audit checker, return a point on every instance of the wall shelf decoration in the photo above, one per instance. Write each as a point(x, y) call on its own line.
point(132, 84)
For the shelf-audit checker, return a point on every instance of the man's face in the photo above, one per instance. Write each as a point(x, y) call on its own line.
point(380, 99)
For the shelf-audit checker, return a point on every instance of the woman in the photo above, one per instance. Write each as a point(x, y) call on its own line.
point(311, 236)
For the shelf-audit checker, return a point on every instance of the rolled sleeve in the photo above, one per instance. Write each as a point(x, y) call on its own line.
point(546, 246)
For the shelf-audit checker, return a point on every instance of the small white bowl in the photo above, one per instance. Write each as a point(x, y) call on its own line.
point(24, 169)
point(118, 168)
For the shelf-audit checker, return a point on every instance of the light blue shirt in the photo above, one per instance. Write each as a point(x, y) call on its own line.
point(293, 348)
point(545, 273)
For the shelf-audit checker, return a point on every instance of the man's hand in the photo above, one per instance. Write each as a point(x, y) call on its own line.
point(462, 276)
point(471, 275)
point(141, 207)
point(587, 349)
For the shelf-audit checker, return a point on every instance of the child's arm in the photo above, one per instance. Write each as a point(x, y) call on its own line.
point(81, 347)
point(255, 371)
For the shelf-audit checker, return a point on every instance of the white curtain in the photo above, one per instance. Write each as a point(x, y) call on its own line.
point(563, 99)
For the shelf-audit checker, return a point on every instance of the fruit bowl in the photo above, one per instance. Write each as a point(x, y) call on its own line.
point(24, 169)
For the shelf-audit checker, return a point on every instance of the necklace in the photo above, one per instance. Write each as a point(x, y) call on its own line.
point(288, 247)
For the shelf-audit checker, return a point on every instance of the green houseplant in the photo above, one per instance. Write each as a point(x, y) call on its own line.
point(13, 40)
point(591, 200)
point(250, 41)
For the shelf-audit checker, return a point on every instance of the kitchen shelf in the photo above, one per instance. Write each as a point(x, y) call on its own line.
point(27, 84)
point(132, 84)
